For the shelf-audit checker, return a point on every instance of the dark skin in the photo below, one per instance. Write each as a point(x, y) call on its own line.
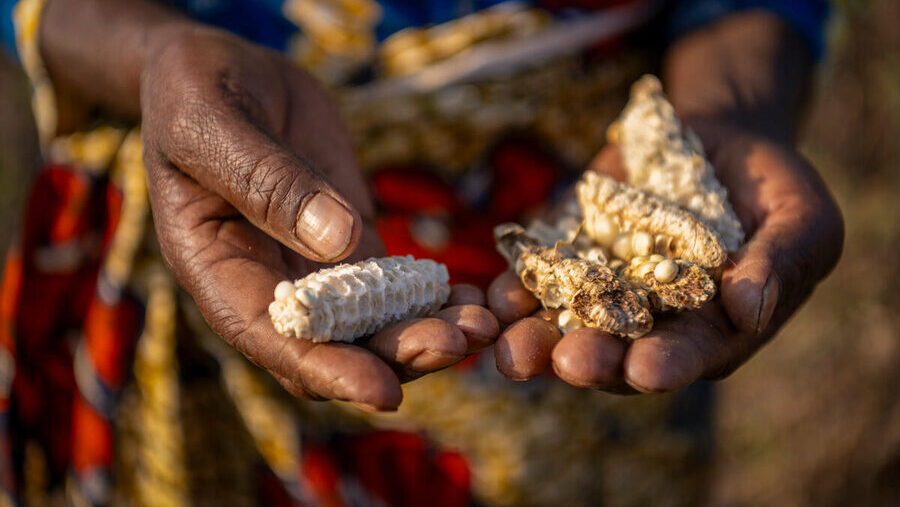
point(739, 84)
point(239, 145)
point(252, 180)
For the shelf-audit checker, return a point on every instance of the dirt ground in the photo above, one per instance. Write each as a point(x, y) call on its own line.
point(814, 419)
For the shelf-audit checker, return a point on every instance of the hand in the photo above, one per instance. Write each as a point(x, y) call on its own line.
point(794, 238)
point(253, 181)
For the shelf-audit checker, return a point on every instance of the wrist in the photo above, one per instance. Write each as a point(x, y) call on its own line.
point(164, 38)
point(748, 69)
point(95, 51)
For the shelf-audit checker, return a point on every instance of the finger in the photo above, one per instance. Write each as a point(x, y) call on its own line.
point(609, 162)
point(419, 346)
point(523, 350)
point(479, 326)
point(588, 357)
point(205, 244)
point(509, 300)
point(683, 348)
point(299, 392)
point(323, 378)
point(797, 240)
point(238, 311)
point(465, 294)
point(277, 190)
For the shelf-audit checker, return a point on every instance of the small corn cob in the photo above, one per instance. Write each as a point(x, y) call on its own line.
point(348, 301)
point(666, 158)
point(591, 291)
point(632, 222)
point(670, 284)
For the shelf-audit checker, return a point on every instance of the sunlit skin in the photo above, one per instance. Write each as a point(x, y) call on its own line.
point(239, 142)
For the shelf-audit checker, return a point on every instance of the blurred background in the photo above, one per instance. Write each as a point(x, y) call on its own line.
point(815, 418)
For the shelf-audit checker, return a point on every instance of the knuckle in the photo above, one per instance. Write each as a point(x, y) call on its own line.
point(272, 187)
point(236, 331)
point(190, 130)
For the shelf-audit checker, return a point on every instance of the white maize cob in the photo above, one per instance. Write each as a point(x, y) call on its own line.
point(348, 301)
point(603, 199)
point(666, 158)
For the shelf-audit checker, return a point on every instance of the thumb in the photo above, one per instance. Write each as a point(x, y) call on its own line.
point(278, 191)
point(797, 242)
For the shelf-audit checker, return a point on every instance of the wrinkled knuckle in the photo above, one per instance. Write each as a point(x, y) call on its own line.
point(170, 259)
point(289, 358)
point(234, 330)
point(271, 186)
point(176, 259)
point(190, 129)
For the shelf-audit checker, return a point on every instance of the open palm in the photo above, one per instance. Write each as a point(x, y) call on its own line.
point(794, 237)
point(253, 181)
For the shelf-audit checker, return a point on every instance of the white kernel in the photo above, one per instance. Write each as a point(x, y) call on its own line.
point(657, 258)
point(567, 321)
point(621, 246)
point(284, 289)
point(644, 269)
point(666, 271)
point(605, 229)
point(307, 296)
point(640, 259)
point(642, 243)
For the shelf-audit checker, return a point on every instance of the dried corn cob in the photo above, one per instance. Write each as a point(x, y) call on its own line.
point(352, 300)
point(609, 206)
point(670, 284)
point(565, 230)
point(558, 278)
point(663, 157)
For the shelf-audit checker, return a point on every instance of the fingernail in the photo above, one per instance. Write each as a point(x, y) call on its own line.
point(325, 226)
point(767, 303)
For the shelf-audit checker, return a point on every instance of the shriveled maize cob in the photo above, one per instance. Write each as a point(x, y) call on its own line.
point(348, 301)
point(566, 230)
point(610, 206)
point(666, 158)
point(670, 284)
point(591, 291)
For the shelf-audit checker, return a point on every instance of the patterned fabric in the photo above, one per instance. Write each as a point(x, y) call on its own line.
point(114, 390)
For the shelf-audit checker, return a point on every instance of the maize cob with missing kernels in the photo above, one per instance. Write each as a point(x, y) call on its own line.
point(617, 211)
point(353, 300)
point(666, 158)
point(591, 291)
point(669, 284)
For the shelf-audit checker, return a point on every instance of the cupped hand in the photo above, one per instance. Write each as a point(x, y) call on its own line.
point(794, 234)
point(253, 181)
